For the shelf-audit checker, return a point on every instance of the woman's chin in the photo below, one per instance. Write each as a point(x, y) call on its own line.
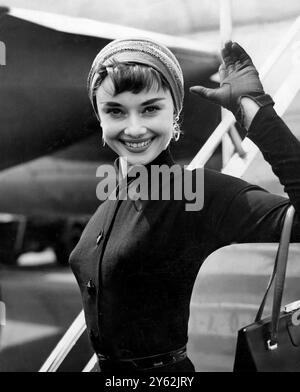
point(138, 161)
point(141, 158)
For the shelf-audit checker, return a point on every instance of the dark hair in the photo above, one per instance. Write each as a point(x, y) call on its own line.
point(131, 77)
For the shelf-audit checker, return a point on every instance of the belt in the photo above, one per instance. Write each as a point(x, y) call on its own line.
point(141, 363)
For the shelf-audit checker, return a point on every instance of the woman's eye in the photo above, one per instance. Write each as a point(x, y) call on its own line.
point(114, 112)
point(151, 109)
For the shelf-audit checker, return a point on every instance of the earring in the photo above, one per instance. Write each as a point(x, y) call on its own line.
point(103, 142)
point(176, 129)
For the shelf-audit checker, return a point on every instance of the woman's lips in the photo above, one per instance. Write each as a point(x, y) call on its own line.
point(137, 146)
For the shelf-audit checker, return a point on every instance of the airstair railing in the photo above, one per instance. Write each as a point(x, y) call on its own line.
point(286, 55)
point(283, 91)
point(65, 345)
point(90, 365)
point(237, 165)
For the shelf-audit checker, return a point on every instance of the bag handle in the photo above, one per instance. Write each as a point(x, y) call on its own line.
point(279, 271)
point(283, 251)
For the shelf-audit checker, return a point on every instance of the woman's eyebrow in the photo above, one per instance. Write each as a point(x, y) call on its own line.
point(111, 103)
point(153, 100)
point(148, 102)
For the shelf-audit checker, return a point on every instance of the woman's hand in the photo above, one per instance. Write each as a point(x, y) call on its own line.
point(238, 78)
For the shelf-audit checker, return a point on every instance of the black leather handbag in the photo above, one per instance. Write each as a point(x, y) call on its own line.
point(273, 344)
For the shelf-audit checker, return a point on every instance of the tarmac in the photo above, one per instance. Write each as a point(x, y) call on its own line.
point(41, 302)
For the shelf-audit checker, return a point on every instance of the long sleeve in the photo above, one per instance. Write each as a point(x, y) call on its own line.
point(280, 148)
point(253, 214)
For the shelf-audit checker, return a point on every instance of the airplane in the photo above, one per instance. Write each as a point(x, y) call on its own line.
point(186, 16)
point(46, 118)
point(52, 108)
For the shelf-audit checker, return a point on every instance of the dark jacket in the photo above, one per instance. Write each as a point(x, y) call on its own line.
point(137, 261)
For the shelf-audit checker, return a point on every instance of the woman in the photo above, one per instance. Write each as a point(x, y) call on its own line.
point(137, 260)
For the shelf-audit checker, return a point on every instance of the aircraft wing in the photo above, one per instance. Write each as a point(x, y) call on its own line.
point(44, 104)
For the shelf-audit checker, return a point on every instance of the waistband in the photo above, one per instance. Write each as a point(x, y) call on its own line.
point(142, 363)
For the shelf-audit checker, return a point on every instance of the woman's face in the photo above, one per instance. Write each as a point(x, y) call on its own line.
point(137, 127)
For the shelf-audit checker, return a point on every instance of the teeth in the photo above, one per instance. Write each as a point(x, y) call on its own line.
point(138, 145)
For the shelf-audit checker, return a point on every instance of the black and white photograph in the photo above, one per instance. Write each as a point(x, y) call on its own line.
point(149, 189)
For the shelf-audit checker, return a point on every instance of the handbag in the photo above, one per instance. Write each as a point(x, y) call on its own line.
point(272, 344)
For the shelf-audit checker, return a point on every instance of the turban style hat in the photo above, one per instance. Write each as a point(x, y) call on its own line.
point(141, 51)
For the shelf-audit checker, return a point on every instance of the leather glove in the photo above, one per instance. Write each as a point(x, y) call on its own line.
point(238, 78)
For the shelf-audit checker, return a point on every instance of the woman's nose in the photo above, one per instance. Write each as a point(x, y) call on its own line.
point(135, 127)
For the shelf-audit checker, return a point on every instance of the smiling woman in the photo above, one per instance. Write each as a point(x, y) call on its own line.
point(138, 257)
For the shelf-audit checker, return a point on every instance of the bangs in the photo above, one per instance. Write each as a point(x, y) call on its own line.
point(132, 77)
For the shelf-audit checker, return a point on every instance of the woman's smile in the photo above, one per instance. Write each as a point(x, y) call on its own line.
point(137, 145)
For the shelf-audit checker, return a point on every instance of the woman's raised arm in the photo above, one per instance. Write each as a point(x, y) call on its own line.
point(242, 93)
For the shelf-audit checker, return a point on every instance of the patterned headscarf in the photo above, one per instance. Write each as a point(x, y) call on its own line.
point(141, 51)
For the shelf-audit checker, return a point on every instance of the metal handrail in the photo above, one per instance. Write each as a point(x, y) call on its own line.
point(237, 141)
point(284, 97)
point(228, 121)
point(212, 142)
point(90, 365)
point(65, 345)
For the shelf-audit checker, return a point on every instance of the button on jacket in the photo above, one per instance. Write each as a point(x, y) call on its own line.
point(137, 260)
